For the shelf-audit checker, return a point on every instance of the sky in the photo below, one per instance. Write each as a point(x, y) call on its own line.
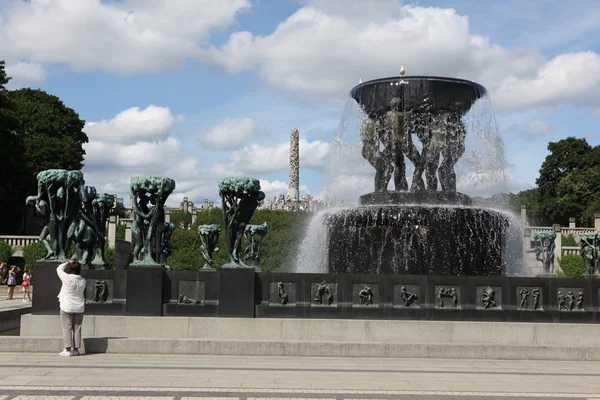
point(197, 90)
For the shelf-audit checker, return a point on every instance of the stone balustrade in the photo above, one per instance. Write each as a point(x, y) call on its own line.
point(17, 242)
point(571, 250)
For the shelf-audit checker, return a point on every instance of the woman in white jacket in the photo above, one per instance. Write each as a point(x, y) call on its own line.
point(72, 306)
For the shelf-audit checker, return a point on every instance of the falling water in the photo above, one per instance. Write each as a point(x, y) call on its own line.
point(481, 171)
point(312, 254)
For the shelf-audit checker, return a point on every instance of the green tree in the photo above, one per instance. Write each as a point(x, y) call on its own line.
point(12, 174)
point(577, 191)
point(566, 156)
point(52, 132)
point(178, 215)
point(37, 132)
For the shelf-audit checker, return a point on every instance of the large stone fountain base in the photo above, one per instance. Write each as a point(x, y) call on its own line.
point(417, 240)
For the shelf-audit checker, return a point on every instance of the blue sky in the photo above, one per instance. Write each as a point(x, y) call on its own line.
point(199, 90)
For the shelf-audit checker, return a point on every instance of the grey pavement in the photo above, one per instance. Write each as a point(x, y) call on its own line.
point(104, 376)
point(17, 301)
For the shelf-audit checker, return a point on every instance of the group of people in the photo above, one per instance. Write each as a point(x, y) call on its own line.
point(9, 277)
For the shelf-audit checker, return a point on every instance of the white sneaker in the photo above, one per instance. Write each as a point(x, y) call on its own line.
point(65, 353)
point(24, 301)
point(75, 353)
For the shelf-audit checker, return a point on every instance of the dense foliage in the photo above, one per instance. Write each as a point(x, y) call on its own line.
point(37, 132)
point(278, 250)
point(5, 251)
point(572, 265)
point(33, 252)
point(568, 185)
point(178, 216)
point(568, 240)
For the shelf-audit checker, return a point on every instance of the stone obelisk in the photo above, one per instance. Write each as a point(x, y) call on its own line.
point(293, 191)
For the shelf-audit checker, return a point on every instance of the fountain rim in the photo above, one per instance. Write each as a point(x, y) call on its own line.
point(482, 90)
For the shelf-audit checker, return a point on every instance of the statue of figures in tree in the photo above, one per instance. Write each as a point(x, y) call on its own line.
point(86, 231)
point(103, 204)
point(589, 252)
point(209, 236)
point(149, 196)
point(545, 251)
point(240, 198)
point(166, 247)
point(58, 199)
point(42, 210)
point(254, 236)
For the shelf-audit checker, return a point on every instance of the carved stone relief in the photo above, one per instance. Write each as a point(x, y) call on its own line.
point(323, 294)
point(282, 293)
point(529, 298)
point(407, 296)
point(191, 292)
point(99, 291)
point(447, 297)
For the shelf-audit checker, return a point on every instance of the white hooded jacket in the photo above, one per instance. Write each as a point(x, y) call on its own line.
point(71, 295)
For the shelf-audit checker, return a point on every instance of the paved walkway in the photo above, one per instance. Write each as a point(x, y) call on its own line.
point(17, 301)
point(172, 377)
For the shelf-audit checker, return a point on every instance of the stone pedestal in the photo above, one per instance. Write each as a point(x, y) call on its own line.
point(236, 292)
point(144, 290)
point(123, 256)
point(48, 284)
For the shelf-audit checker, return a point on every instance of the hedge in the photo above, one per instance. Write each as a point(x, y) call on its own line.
point(5, 251)
point(572, 265)
point(568, 240)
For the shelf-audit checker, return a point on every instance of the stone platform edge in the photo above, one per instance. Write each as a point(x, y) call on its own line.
point(323, 330)
point(303, 348)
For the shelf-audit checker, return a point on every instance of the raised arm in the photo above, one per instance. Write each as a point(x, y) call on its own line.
point(61, 272)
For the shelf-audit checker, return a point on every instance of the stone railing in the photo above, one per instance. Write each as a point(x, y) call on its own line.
point(571, 250)
point(18, 242)
point(576, 231)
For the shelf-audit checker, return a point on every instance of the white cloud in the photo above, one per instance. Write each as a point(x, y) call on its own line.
point(255, 159)
point(229, 134)
point(572, 78)
point(139, 142)
point(134, 125)
point(129, 36)
point(275, 188)
point(324, 47)
point(25, 72)
point(538, 128)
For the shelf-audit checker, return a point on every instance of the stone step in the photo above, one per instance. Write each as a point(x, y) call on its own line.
point(301, 348)
point(324, 330)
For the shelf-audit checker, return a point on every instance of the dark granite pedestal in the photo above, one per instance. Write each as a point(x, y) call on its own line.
point(236, 292)
point(144, 290)
point(47, 286)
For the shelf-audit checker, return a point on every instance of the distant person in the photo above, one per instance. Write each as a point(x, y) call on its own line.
point(12, 281)
point(72, 306)
point(26, 285)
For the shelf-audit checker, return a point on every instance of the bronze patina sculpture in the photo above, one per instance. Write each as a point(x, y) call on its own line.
point(58, 200)
point(240, 198)
point(545, 251)
point(254, 236)
point(590, 243)
point(209, 236)
point(103, 204)
point(148, 227)
point(86, 231)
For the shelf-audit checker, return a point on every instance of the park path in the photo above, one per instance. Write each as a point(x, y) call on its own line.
point(26, 376)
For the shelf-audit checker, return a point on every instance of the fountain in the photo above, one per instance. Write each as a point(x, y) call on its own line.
point(427, 227)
